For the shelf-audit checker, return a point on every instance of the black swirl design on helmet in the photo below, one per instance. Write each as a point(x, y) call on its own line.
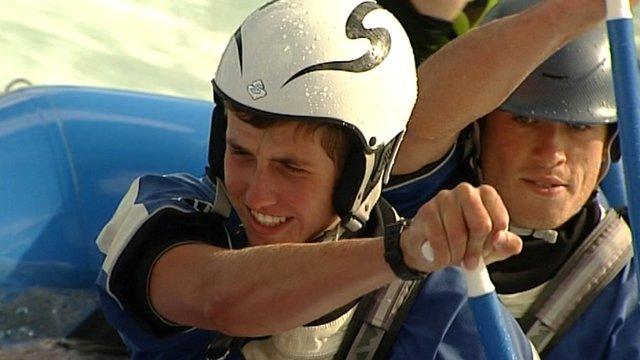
point(238, 34)
point(238, 37)
point(379, 38)
point(267, 4)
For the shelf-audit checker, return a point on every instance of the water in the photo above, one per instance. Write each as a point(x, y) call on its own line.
point(31, 321)
point(169, 47)
point(41, 312)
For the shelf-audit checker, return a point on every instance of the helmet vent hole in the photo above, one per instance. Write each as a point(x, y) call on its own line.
point(554, 76)
point(372, 141)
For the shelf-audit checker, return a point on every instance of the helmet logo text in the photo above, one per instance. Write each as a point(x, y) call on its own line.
point(257, 90)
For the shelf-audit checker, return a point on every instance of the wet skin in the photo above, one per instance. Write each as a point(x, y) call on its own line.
point(544, 171)
point(280, 181)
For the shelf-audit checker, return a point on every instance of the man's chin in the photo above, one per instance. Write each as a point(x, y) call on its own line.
point(554, 220)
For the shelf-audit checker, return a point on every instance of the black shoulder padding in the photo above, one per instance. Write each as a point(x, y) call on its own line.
point(130, 275)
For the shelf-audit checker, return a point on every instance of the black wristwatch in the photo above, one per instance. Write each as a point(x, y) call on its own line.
point(393, 252)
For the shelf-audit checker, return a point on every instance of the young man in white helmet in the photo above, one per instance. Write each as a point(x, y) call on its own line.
point(312, 102)
point(544, 151)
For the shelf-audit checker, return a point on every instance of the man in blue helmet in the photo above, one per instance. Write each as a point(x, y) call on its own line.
point(544, 151)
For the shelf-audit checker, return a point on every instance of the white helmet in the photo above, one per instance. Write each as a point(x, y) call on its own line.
point(346, 62)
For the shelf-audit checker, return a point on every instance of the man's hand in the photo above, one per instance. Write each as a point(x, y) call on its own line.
point(440, 9)
point(461, 225)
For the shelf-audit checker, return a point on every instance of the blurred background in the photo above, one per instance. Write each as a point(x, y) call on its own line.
point(161, 47)
point(168, 47)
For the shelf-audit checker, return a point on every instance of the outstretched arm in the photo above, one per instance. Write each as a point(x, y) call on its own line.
point(264, 290)
point(440, 9)
point(269, 289)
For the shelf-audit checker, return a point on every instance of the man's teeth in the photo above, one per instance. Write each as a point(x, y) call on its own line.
point(267, 220)
point(546, 186)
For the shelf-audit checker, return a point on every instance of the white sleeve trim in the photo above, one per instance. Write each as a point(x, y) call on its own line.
point(116, 235)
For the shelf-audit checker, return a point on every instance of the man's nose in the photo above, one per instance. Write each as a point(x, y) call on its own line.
point(260, 190)
point(549, 149)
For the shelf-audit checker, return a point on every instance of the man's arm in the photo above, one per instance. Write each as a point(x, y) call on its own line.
point(440, 9)
point(269, 289)
point(475, 73)
point(264, 290)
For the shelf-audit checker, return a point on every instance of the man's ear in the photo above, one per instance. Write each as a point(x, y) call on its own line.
point(610, 153)
point(615, 148)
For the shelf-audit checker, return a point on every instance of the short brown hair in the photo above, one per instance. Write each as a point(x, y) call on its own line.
point(333, 137)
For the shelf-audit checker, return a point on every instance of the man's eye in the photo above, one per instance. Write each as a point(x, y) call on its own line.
point(579, 127)
point(294, 168)
point(237, 152)
point(524, 120)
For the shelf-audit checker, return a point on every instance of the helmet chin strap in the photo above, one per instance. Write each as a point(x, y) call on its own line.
point(358, 218)
point(548, 235)
point(333, 232)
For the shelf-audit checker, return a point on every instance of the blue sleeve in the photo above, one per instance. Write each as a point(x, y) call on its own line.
point(610, 326)
point(141, 344)
point(407, 193)
point(130, 245)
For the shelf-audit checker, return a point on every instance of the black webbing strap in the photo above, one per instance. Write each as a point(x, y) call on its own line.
point(379, 315)
point(589, 270)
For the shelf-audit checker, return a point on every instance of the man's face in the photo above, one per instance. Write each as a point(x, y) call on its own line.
point(280, 181)
point(544, 171)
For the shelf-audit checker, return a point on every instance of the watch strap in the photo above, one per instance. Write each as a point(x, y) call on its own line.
point(393, 252)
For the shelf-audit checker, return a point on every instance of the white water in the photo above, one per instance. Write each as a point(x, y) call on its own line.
point(170, 47)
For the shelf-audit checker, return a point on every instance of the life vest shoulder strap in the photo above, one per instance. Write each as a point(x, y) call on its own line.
point(589, 270)
point(380, 314)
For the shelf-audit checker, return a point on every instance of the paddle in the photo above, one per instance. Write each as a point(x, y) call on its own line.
point(627, 92)
point(485, 306)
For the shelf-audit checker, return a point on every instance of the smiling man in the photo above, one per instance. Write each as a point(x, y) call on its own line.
point(281, 168)
point(284, 251)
